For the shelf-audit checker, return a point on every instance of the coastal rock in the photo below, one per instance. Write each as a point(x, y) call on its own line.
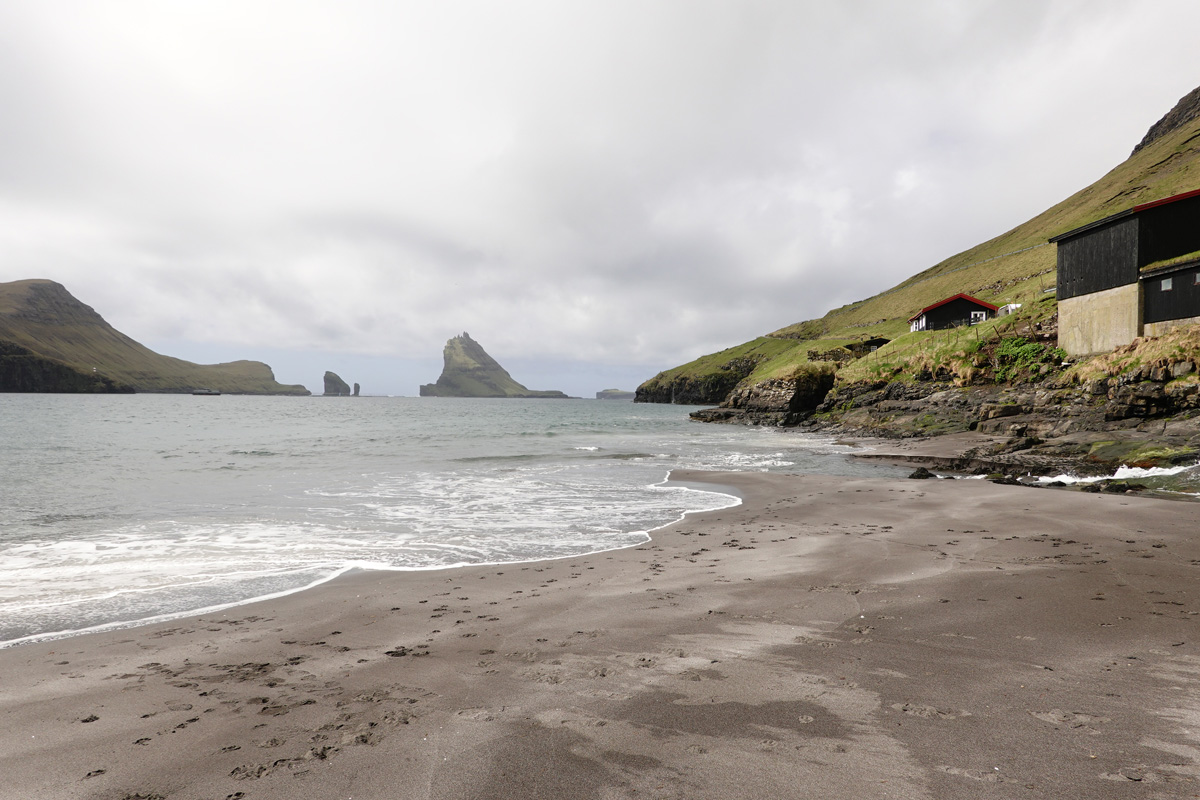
point(709, 388)
point(335, 386)
point(356, 390)
point(469, 371)
point(776, 401)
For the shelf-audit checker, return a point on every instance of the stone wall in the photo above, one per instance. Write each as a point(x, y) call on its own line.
point(1100, 321)
point(1160, 328)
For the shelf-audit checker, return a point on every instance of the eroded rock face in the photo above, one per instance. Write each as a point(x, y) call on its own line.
point(469, 371)
point(696, 390)
point(778, 401)
point(335, 386)
point(1186, 110)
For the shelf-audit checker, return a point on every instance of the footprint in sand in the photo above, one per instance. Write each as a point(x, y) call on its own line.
point(929, 712)
point(1070, 719)
point(976, 774)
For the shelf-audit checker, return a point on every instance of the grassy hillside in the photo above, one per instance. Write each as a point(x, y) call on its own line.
point(1015, 267)
point(43, 317)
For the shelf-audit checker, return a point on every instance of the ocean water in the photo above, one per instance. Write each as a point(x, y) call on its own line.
point(116, 510)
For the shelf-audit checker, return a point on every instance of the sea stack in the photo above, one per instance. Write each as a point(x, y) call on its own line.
point(471, 372)
point(335, 386)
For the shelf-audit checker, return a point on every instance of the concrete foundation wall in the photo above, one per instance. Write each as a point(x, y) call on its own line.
point(1100, 321)
point(1159, 328)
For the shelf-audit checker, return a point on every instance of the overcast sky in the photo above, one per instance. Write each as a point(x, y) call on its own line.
point(596, 191)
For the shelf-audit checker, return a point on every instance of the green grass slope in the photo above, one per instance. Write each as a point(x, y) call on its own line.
point(1014, 267)
point(43, 317)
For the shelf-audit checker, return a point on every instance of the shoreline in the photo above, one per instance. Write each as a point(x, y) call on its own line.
point(833, 637)
point(120, 625)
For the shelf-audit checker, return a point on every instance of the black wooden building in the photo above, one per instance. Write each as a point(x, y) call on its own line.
point(1114, 251)
point(961, 309)
point(1134, 273)
point(1172, 292)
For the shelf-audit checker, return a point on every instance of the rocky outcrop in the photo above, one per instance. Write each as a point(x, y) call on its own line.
point(45, 319)
point(469, 371)
point(614, 394)
point(1186, 110)
point(1147, 416)
point(335, 386)
point(707, 389)
point(776, 401)
point(22, 370)
point(356, 390)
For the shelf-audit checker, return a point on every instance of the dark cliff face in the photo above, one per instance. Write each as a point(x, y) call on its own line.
point(335, 386)
point(25, 371)
point(1186, 110)
point(687, 390)
point(704, 389)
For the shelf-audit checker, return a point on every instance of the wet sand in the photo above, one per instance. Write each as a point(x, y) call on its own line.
point(828, 638)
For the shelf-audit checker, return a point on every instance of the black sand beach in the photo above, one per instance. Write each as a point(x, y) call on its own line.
point(829, 637)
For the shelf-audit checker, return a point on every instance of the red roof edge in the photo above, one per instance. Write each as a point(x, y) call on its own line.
point(1165, 200)
point(959, 296)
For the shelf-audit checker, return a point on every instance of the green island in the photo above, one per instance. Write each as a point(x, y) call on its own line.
point(470, 372)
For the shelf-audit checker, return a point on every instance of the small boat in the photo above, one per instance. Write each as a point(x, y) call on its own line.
point(205, 391)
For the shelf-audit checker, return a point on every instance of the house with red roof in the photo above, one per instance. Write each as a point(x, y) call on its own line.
point(961, 309)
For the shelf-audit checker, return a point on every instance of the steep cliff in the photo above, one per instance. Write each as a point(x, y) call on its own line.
point(785, 400)
point(44, 318)
point(22, 370)
point(469, 371)
point(335, 386)
point(1184, 112)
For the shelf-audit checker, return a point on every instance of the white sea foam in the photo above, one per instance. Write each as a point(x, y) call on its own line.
point(183, 514)
point(1122, 473)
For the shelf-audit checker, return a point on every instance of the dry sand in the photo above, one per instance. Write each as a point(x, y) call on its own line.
point(829, 638)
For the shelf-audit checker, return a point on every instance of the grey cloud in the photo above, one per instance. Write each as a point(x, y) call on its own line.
point(622, 185)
